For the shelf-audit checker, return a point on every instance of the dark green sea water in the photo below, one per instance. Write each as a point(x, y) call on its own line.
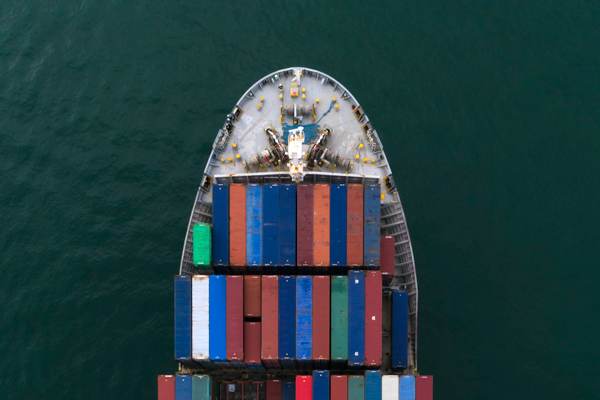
point(489, 113)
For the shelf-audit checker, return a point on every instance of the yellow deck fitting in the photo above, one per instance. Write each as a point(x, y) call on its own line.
point(234, 145)
point(238, 156)
point(334, 99)
point(365, 160)
point(259, 106)
point(382, 196)
point(357, 156)
point(317, 100)
point(303, 90)
point(229, 159)
point(360, 146)
point(337, 106)
point(280, 96)
point(303, 96)
point(262, 98)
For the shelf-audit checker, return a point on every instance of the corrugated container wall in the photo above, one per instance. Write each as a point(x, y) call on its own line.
point(271, 242)
point(183, 317)
point(407, 387)
point(304, 237)
point(252, 343)
point(254, 225)
point(390, 387)
point(339, 318)
point(320, 318)
point(287, 320)
point(220, 220)
point(321, 235)
point(201, 245)
point(399, 329)
point(252, 296)
point(304, 318)
point(269, 352)
point(287, 225)
point(183, 387)
point(424, 387)
point(235, 317)
point(320, 385)
point(216, 323)
point(237, 225)
point(303, 387)
point(356, 388)
point(373, 318)
point(339, 387)
point(288, 389)
point(200, 315)
point(388, 256)
point(201, 387)
point(273, 391)
point(356, 318)
point(372, 224)
point(355, 222)
point(338, 214)
point(166, 387)
point(372, 385)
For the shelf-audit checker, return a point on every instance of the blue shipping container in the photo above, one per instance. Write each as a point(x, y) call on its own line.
point(356, 317)
point(288, 389)
point(183, 387)
point(217, 290)
point(220, 220)
point(287, 225)
point(183, 317)
point(338, 224)
point(304, 318)
point(321, 385)
point(270, 237)
point(399, 329)
point(372, 224)
point(254, 222)
point(407, 387)
point(372, 385)
point(287, 320)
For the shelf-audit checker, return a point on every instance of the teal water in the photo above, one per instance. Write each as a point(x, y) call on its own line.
point(489, 113)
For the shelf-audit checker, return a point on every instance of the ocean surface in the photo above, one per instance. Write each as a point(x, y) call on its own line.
point(489, 113)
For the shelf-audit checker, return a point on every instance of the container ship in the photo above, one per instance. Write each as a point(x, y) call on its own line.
point(297, 278)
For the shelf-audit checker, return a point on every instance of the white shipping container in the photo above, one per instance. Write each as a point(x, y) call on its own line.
point(200, 317)
point(390, 387)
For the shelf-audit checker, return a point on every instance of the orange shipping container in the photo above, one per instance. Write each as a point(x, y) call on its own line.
point(354, 248)
point(237, 224)
point(321, 201)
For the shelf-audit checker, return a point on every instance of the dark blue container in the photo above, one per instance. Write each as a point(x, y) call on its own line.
point(183, 317)
point(356, 318)
point(399, 329)
point(254, 225)
point(372, 221)
point(220, 221)
point(287, 320)
point(183, 387)
point(217, 290)
point(304, 318)
point(407, 387)
point(270, 237)
point(338, 216)
point(372, 385)
point(321, 385)
point(288, 389)
point(287, 224)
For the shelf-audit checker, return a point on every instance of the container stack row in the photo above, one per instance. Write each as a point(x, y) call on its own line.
point(278, 225)
point(285, 321)
point(320, 385)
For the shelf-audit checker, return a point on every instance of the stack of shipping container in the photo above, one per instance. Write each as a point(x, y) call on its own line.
point(290, 279)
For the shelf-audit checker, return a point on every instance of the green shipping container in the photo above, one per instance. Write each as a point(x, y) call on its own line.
point(201, 244)
point(201, 387)
point(339, 318)
point(356, 388)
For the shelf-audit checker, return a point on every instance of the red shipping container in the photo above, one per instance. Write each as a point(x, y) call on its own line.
point(354, 224)
point(424, 387)
point(252, 342)
point(303, 387)
point(388, 256)
point(166, 387)
point(373, 307)
point(273, 390)
point(234, 310)
point(321, 224)
point(304, 225)
point(339, 387)
point(269, 351)
point(237, 224)
point(320, 316)
point(252, 296)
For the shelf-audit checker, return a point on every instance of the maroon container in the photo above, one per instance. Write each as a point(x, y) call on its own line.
point(252, 342)
point(373, 306)
point(269, 350)
point(354, 225)
point(388, 256)
point(274, 390)
point(424, 387)
point(339, 387)
point(252, 296)
point(304, 225)
point(235, 318)
point(166, 387)
point(320, 316)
